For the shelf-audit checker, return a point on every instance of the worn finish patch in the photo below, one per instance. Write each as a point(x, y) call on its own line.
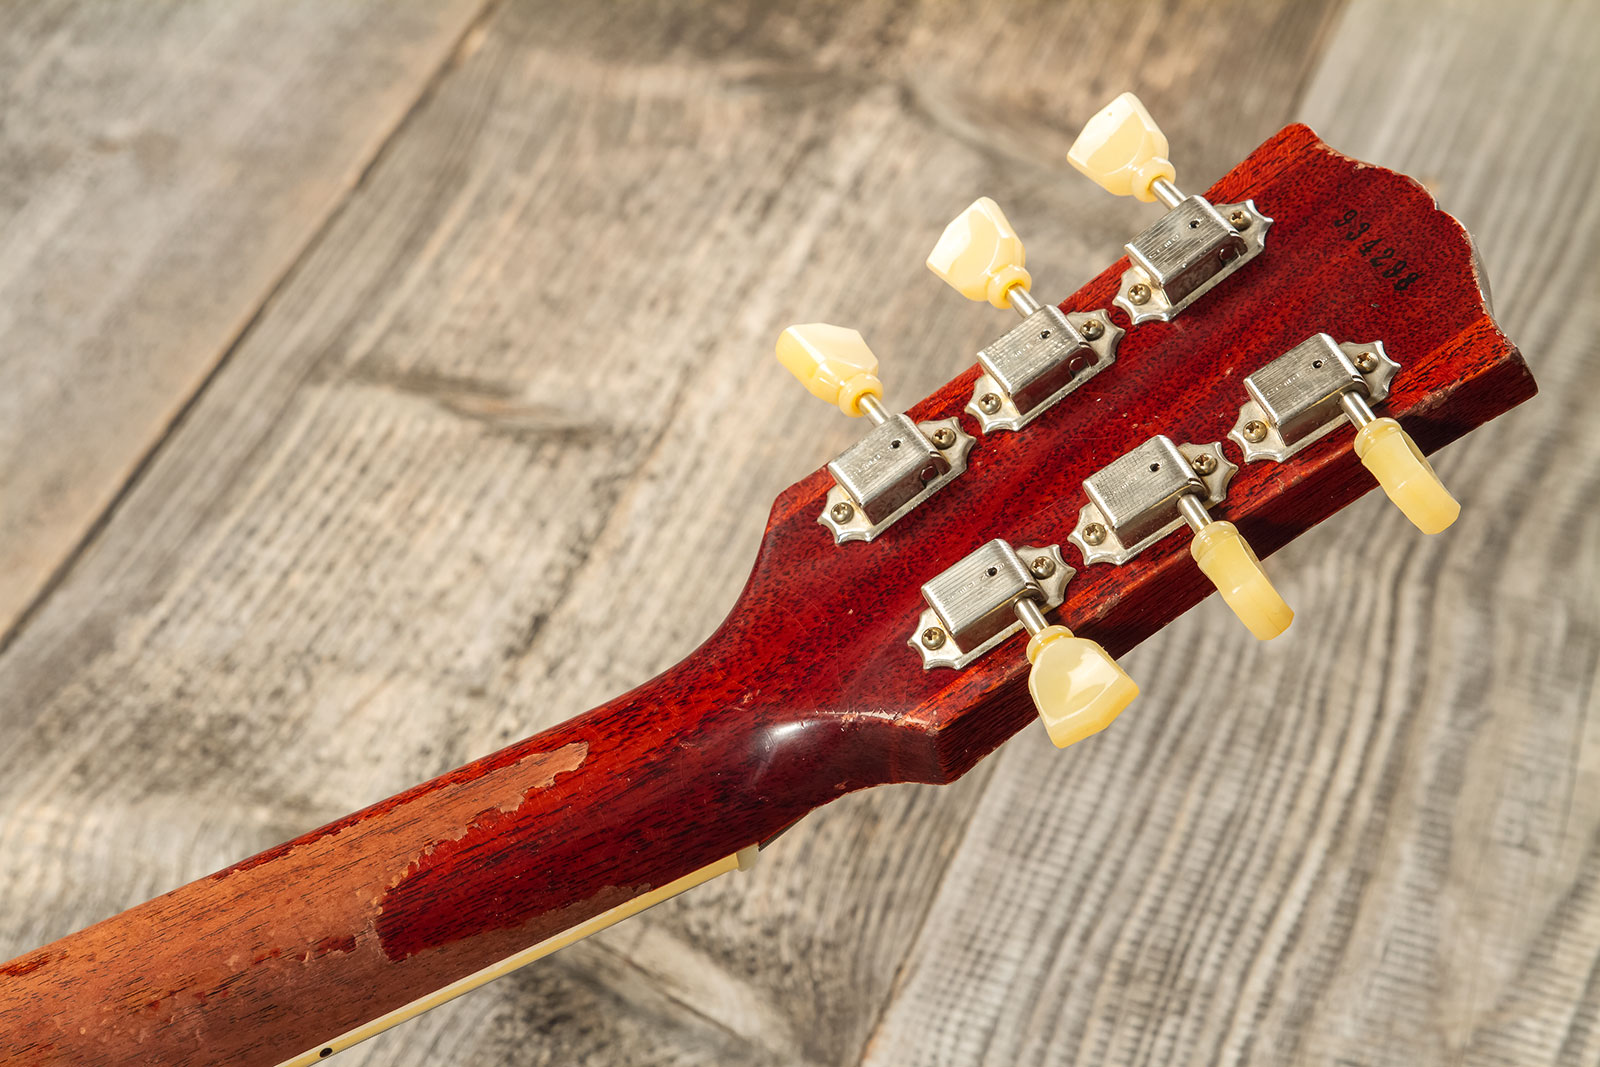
point(323, 940)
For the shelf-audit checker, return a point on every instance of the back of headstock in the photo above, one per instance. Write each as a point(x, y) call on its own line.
point(827, 677)
point(1355, 252)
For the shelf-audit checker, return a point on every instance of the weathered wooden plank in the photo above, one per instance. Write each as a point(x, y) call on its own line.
point(161, 167)
point(502, 446)
point(1375, 841)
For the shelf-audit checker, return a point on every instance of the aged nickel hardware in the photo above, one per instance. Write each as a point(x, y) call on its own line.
point(899, 463)
point(992, 593)
point(1307, 392)
point(1147, 493)
point(973, 603)
point(1135, 500)
point(1194, 246)
point(1317, 386)
point(1046, 356)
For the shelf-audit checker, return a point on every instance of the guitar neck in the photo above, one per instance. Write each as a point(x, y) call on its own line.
point(320, 942)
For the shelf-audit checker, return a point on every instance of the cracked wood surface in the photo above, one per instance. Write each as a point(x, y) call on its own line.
point(502, 441)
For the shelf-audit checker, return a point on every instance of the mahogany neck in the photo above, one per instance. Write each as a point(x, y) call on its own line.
point(270, 958)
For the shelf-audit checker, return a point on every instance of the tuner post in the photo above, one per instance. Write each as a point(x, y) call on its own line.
point(873, 409)
point(1166, 192)
point(1021, 300)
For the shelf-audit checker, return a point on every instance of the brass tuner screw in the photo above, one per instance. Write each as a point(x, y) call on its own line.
point(1205, 463)
point(841, 512)
point(933, 637)
point(943, 437)
point(1255, 431)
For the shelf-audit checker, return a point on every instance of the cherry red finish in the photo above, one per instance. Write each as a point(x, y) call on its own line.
point(808, 690)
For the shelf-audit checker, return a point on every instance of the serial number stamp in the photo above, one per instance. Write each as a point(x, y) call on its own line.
point(1382, 256)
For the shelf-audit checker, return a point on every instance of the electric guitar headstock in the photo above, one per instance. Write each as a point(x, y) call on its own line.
point(1264, 354)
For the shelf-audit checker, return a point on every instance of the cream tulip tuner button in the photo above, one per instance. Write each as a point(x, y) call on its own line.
point(1317, 386)
point(1076, 686)
point(980, 255)
point(1046, 356)
point(833, 362)
point(1123, 150)
point(1227, 560)
point(1194, 246)
point(899, 463)
point(1406, 476)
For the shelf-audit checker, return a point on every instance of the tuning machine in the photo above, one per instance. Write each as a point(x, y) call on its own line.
point(1147, 493)
point(899, 463)
point(1194, 246)
point(1046, 356)
point(997, 590)
point(1317, 386)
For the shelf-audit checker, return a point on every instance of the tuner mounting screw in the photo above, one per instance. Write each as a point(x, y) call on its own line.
point(841, 512)
point(989, 403)
point(1205, 463)
point(1240, 220)
point(1042, 566)
point(1093, 330)
point(1366, 363)
point(933, 637)
point(944, 437)
point(1094, 533)
point(1255, 431)
point(1139, 294)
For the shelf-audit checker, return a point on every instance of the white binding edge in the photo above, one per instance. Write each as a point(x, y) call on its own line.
point(742, 860)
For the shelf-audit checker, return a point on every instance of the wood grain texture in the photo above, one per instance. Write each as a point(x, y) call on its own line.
point(161, 167)
point(396, 533)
